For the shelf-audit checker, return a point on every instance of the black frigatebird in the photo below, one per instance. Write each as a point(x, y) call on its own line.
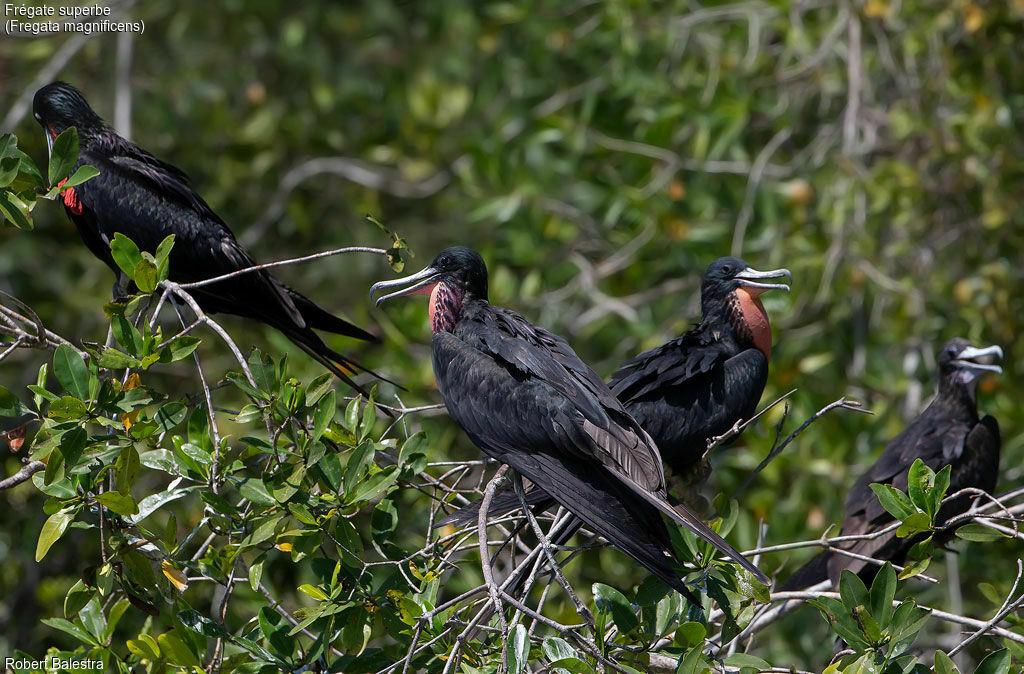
point(947, 432)
point(145, 199)
point(694, 387)
point(524, 397)
point(697, 386)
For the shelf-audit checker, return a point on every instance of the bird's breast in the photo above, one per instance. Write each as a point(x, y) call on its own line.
point(70, 199)
point(754, 319)
point(445, 301)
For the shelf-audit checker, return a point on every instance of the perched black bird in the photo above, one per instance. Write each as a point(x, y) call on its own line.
point(527, 400)
point(694, 387)
point(948, 432)
point(145, 199)
point(699, 385)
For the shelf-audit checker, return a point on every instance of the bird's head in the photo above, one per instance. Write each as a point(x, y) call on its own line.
point(731, 290)
point(728, 274)
point(961, 363)
point(59, 105)
point(457, 273)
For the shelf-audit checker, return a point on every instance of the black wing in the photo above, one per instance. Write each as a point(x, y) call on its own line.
point(671, 364)
point(973, 452)
point(524, 397)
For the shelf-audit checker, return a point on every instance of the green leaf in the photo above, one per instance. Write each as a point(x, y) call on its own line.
point(127, 468)
point(63, 155)
point(114, 617)
point(15, 210)
point(518, 649)
point(612, 602)
point(180, 347)
point(71, 371)
point(81, 175)
point(122, 504)
point(997, 662)
point(256, 574)
point(313, 592)
point(128, 336)
point(852, 590)
point(883, 590)
point(841, 619)
point(172, 646)
point(325, 411)
point(125, 253)
point(8, 145)
point(357, 464)
point(895, 502)
point(256, 491)
point(746, 660)
point(53, 528)
point(9, 167)
point(693, 662)
point(914, 523)
point(78, 596)
point(200, 624)
point(915, 568)
point(374, 486)
point(557, 648)
point(72, 629)
point(145, 273)
point(163, 255)
point(868, 625)
point(690, 633)
point(978, 533)
point(10, 405)
point(944, 664)
point(938, 491)
point(920, 479)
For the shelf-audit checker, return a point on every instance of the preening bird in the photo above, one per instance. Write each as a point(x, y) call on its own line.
point(694, 387)
point(145, 199)
point(526, 399)
point(947, 433)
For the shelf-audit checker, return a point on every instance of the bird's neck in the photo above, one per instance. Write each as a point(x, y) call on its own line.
point(959, 398)
point(750, 320)
point(445, 304)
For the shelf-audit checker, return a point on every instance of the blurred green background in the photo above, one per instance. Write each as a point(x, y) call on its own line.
point(599, 155)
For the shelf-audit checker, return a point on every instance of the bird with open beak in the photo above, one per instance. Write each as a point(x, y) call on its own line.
point(526, 399)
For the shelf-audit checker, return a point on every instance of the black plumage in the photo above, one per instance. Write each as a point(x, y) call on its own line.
point(525, 398)
point(697, 386)
point(948, 432)
point(145, 199)
point(694, 387)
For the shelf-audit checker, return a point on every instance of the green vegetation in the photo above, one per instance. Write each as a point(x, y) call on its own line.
point(599, 155)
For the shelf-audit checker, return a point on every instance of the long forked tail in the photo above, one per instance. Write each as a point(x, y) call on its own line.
point(320, 319)
point(684, 516)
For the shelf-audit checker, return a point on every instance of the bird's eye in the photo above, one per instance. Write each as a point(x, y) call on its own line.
point(38, 117)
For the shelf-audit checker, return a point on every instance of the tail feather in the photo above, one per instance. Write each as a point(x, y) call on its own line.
point(684, 516)
point(320, 319)
point(607, 506)
point(505, 501)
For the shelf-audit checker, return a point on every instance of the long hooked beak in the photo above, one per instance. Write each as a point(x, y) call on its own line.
point(966, 358)
point(747, 276)
point(419, 280)
point(49, 142)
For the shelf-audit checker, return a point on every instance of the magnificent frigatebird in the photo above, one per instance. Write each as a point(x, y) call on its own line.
point(947, 433)
point(694, 387)
point(145, 199)
point(524, 397)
